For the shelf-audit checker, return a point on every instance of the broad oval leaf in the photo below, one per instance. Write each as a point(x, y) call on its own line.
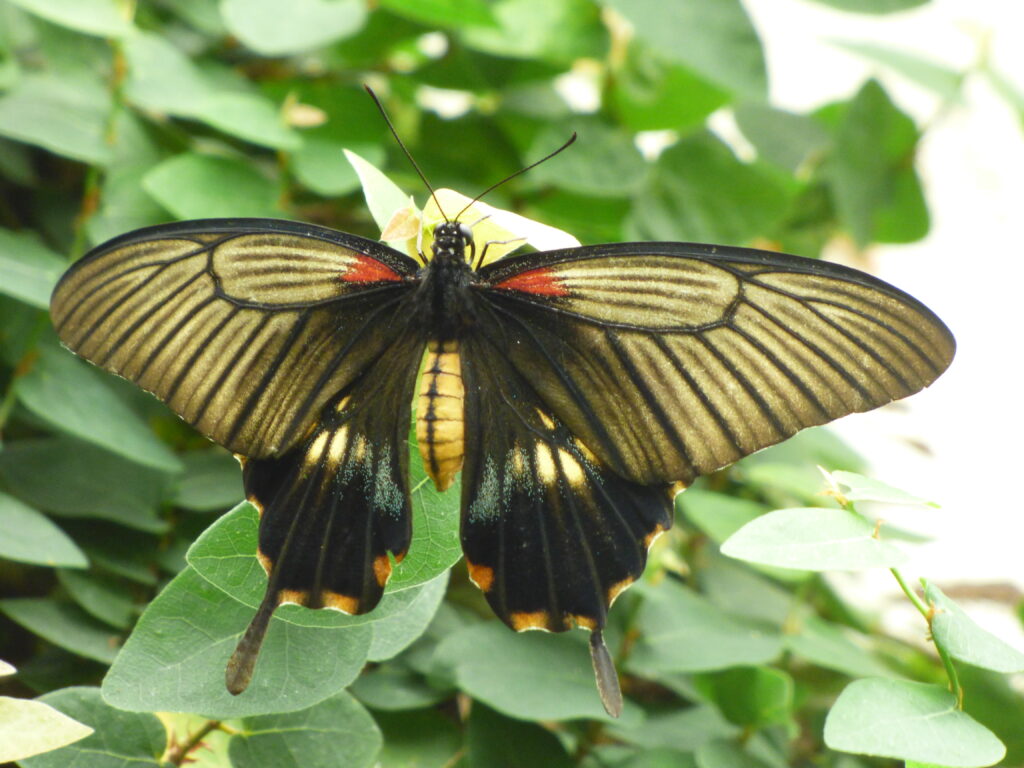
point(29, 728)
point(909, 721)
point(812, 539)
point(307, 24)
point(174, 660)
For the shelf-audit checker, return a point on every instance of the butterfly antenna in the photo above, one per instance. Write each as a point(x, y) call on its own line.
point(520, 172)
point(408, 154)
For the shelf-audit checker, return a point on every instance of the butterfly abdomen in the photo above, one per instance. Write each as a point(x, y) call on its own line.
point(439, 413)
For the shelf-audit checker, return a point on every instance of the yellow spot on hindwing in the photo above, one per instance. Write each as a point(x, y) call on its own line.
point(265, 561)
point(583, 621)
point(572, 470)
point(545, 463)
point(546, 420)
point(316, 448)
point(343, 603)
point(523, 621)
point(339, 440)
point(481, 575)
point(381, 570)
point(296, 596)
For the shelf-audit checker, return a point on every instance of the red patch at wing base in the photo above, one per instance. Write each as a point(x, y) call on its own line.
point(542, 281)
point(366, 270)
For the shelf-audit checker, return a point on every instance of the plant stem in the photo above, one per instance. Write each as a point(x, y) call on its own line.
point(925, 610)
point(178, 753)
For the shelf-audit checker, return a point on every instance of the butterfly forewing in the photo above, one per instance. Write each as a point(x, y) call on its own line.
point(246, 328)
point(671, 360)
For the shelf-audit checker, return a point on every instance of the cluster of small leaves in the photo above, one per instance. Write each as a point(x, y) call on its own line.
point(123, 593)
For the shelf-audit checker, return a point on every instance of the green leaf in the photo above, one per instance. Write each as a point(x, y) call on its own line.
point(116, 550)
point(94, 483)
point(860, 488)
point(444, 13)
point(908, 721)
point(248, 116)
point(653, 93)
point(395, 688)
point(785, 139)
point(161, 78)
point(30, 269)
point(684, 730)
point(715, 38)
point(683, 632)
point(337, 731)
point(496, 741)
point(873, 6)
point(832, 646)
point(812, 539)
point(944, 81)
point(395, 633)
point(63, 116)
point(533, 675)
point(119, 738)
point(307, 25)
point(718, 514)
point(104, 18)
point(553, 31)
point(871, 174)
point(65, 625)
point(752, 697)
point(604, 162)
point(321, 166)
point(30, 728)
point(726, 754)
point(193, 186)
point(30, 537)
point(101, 596)
point(174, 660)
point(957, 633)
point(699, 191)
point(423, 739)
point(74, 398)
point(212, 481)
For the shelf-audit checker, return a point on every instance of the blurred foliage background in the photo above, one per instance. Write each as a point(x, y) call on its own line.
point(115, 115)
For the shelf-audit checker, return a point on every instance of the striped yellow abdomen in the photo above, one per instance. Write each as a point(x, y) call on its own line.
point(439, 413)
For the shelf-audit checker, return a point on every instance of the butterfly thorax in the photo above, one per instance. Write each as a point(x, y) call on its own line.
point(444, 302)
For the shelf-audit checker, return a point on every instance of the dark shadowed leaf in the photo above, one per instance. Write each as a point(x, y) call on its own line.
point(419, 739)
point(65, 625)
point(30, 537)
point(496, 741)
point(30, 269)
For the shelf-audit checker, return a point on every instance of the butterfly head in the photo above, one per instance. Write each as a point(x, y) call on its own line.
point(451, 239)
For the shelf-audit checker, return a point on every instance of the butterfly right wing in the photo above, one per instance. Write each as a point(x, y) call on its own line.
point(245, 327)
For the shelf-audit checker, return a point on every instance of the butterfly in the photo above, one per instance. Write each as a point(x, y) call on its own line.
point(576, 390)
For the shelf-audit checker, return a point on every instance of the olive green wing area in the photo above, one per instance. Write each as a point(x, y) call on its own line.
point(246, 328)
point(550, 534)
point(671, 360)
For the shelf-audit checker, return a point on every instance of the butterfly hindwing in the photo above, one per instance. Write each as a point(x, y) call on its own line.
point(336, 508)
point(245, 327)
point(670, 360)
point(550, 534)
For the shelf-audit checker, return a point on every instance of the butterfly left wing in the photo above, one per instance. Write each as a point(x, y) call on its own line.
point(550, 534)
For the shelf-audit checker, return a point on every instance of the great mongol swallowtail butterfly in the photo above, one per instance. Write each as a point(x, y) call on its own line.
point(577, 390)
